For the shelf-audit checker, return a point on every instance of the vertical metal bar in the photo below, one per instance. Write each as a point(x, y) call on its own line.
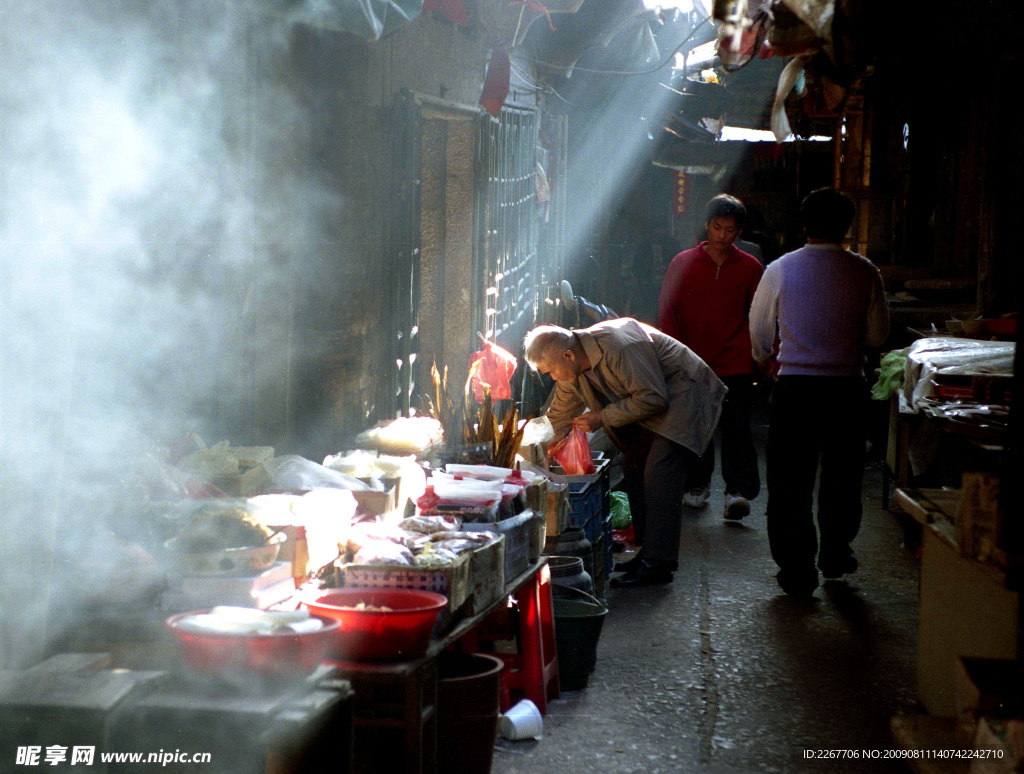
point(507, 216)
point(405, 248)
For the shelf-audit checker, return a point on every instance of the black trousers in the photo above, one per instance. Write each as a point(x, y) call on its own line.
point(654, 475)
point(816, 421)
point(739, 457)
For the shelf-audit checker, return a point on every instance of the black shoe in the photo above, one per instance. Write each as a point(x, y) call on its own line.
point(627, 566)
point(800, 584)
point(644, 575)
point(832, 568)
point(630, 565)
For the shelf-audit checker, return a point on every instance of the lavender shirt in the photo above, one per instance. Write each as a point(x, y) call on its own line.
point(829, 304)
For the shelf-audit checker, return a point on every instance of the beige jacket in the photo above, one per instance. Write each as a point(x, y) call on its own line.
point(649, 377)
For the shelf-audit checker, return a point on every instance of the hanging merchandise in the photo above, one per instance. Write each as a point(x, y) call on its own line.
point(742, 32)
point(453, 10)
point(496, 85)
point(541, 185)
point(492, 368)
point(787, 80)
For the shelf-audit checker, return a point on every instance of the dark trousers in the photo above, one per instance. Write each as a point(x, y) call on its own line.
point(654, 474)
point(739, 457)
point(815, 421)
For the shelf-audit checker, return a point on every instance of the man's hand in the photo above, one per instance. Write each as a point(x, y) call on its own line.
point(770, 368)
point(589, 422)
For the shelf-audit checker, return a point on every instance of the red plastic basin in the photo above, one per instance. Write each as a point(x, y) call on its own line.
point(235, 657)
point(373, 635)
point(1002, 326)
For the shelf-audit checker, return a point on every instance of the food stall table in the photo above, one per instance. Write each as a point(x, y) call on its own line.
point(392, 696)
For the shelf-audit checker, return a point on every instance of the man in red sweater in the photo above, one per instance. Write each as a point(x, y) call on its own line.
point(705, 299)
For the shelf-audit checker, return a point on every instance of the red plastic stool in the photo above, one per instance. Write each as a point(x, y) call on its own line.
point(534, 669)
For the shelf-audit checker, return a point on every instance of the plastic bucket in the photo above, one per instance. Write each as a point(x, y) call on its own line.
point(578, 621)
point(468, 711)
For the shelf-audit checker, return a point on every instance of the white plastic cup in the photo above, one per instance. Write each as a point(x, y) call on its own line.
point(523, 721)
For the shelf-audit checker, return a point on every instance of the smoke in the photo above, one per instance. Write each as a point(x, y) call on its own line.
point(152, 217)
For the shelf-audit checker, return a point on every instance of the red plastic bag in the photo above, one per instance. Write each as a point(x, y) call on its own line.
point(573, 453)
point(492, 367)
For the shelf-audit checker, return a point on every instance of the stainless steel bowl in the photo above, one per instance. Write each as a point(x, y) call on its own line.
point(228, 561)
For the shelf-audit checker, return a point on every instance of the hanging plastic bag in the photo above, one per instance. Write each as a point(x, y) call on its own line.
point(573, 453)
point(621, 517)
point(492, 367)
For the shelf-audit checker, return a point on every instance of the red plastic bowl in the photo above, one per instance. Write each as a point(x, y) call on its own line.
point(375, 635)
point(1002, 326)
point(237, 657)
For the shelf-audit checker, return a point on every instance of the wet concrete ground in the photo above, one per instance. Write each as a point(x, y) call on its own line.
point(720, 671)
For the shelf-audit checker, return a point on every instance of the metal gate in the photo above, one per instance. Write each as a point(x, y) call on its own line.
point(508, 271)
point(505, 274)
point(404, 249)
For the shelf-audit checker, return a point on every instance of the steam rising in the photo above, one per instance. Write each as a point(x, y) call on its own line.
point(152, 219)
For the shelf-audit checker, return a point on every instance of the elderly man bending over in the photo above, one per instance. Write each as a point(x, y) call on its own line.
point(658, 403)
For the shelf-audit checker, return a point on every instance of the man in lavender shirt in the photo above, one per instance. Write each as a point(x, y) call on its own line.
point(829, 306)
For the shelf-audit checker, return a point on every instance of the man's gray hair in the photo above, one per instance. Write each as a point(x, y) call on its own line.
point(544, 339)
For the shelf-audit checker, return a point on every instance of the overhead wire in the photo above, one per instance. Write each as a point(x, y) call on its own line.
point(539, 87)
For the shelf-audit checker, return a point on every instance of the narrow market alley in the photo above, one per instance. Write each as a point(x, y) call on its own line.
point(720, 671)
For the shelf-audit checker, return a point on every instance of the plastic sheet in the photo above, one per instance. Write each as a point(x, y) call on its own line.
point(485, 472)
point(942, 356)
point(292, 473)
point(537, 431)
point(404, 435)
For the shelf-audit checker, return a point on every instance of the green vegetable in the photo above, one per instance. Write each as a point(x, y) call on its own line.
point(890, 374)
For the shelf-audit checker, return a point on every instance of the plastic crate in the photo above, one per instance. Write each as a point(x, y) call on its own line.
point(593, 529)
point(584, 503)
point(609, 547)
point(451, 581)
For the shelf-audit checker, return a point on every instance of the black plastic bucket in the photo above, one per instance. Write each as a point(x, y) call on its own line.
point(468, 710)
point(579, 618)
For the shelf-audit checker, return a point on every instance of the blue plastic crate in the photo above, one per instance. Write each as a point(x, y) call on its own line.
point(609, 548)
point(585, 503)
point(593, 529)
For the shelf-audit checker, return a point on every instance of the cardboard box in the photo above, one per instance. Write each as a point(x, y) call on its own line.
point(979, 519)
point(375, 503)
point(486, 574)
point(1003, 741)
point(556, 509)
point(986, 687)
point(517, 541)
point(965, 610)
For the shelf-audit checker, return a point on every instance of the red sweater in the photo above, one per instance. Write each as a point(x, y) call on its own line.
point(705, 306)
